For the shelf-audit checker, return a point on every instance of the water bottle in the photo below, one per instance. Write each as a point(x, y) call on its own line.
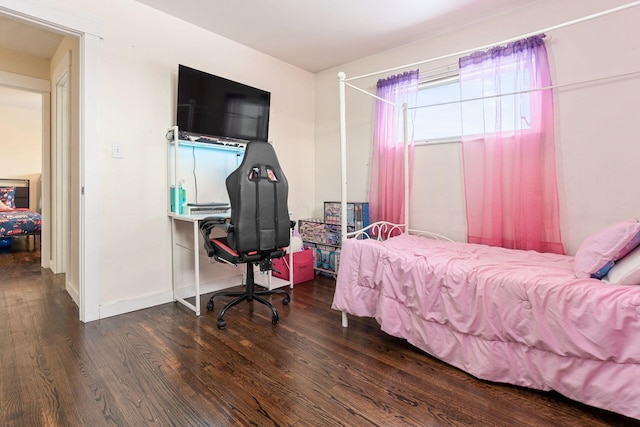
point(182, 197)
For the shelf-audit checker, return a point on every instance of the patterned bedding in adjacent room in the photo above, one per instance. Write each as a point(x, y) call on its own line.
point(19, 222)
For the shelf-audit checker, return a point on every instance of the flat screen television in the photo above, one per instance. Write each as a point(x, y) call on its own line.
point(216, 107)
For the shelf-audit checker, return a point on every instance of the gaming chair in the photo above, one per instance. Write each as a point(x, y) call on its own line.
point(259, 228)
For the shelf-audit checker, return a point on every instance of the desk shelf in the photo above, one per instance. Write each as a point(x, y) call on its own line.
point(210, 146)
point(220, 160)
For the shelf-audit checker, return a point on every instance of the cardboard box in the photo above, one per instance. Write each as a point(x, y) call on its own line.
point(302, 266)
point(312, 230)
point(327, 258)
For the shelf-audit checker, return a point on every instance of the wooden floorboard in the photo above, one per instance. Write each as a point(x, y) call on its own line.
point(165, 366)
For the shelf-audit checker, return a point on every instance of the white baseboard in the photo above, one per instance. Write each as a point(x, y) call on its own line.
point(121, 307)
point(73, 291)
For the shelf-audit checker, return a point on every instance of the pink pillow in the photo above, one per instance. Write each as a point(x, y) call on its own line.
point(599, 252)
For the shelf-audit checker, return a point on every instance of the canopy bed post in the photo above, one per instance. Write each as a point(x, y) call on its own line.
point(343, 170)
point(406, 165)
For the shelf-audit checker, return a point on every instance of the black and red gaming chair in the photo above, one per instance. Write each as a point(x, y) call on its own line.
point(259, 229)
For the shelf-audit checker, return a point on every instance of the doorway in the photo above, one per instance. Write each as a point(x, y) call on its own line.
point(21, 119)
point(84, 244)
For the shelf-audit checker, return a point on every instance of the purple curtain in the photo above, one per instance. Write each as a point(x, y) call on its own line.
point(508, 148)
point(386, 183)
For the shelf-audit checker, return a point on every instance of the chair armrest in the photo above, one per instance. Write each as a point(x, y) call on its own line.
point(208, 224)
point(211, 222)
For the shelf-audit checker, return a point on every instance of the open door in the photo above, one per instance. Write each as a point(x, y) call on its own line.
point(60, 167)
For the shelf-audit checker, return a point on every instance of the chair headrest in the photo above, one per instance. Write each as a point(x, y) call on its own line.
point(258, 192)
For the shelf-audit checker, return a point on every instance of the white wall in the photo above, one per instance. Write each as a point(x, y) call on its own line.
point(139, 57)
point(596, 123)
point(21, 143)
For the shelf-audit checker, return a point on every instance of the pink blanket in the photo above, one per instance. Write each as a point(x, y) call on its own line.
point(519, 317)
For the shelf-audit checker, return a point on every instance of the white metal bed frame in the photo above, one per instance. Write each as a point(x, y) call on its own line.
point(344, 81)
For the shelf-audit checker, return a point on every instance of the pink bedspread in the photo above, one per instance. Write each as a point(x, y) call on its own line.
point(519, 317)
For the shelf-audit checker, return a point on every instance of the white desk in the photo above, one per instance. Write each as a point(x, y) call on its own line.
point(193, 246)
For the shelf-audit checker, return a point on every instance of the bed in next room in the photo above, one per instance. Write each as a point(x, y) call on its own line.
point(16, 218)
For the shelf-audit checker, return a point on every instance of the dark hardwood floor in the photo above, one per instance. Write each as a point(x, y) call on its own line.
point(164, 366)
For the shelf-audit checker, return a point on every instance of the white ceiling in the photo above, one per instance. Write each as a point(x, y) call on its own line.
point(313, 35)
point(320, 34)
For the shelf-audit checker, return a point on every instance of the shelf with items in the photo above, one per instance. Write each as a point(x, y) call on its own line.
point(219, 158)
point(324, 240)
point(324, 235)
point(190, 163)
point(357, 214)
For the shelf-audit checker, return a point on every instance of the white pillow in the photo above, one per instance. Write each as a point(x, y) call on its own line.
point(4, 207)
point(627, 270)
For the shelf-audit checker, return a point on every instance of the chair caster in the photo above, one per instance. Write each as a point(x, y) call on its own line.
point(222, 323)
point(286, 300)
point(274, 319)
point(210, 306)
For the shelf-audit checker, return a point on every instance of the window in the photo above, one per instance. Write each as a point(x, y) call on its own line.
point(439, 118)
point(504, 114)
point(439, 122)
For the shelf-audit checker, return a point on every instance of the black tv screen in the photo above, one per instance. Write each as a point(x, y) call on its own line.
point(213, 106)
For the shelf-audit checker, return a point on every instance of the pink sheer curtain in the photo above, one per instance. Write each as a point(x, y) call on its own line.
point(508, 148)
point(386, 183)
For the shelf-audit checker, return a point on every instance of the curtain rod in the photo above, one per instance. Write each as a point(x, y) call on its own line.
point(534, 33)
point(371, 94)
point(520, 92)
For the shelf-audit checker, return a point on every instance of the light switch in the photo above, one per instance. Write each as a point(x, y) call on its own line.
point(117, 151)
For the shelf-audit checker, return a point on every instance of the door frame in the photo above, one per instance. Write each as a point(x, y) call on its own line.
point(89, 33)
point(60, 161)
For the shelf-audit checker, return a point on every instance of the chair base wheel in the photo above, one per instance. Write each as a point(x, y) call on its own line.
point(249, 295)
